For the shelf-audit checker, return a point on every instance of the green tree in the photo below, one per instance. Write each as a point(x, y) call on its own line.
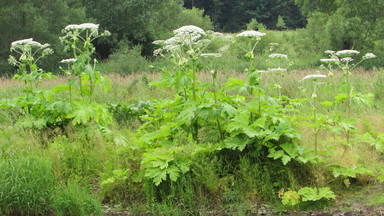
point(137, 21)
point(233, 15)
point(346, 23)
point(38, 19)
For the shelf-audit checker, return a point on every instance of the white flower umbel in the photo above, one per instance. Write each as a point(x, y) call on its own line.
point(347, 59)
point(28, 42)
point(328, 60)
point(70, 60)
point(329, 52)
point(277, 69)
point(89, 26)
point(347, 52)
point(205, 55)
point(369, 56)
point(251, 33)
point(278, 56)
point(83, 26)
point(313, 76)
point(21, 42)
point(190, 31)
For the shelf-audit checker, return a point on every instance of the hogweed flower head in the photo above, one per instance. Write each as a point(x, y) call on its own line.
point(189, 31)
point(346, 52)
point(369, 56)
point(27, 42)
point(277, 69)
point(313, 76)
point(328, 60)
point(83, 26)
point(251, 33)
point(206, 55)
point(329, 52)
point(70, 60)
point(347, 59)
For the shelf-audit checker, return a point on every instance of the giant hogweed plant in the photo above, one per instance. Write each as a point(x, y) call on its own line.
point(42, 108)
point(31, 106)
point(78, 40)
point(343, 60)
point(204, 113)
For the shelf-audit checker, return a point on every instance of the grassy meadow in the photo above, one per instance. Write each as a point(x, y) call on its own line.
point(186, 135)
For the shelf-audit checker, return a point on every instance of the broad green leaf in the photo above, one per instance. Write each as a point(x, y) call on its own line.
point(235, 143)
point(157, 174)
point(276, 154)
point(174, 172)
point(285, 159)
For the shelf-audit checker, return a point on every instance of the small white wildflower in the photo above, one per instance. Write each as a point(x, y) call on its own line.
point(329, 51)
point(313, 76)
point(251, 33)
point(278, 56)
point(276, 69)
point(347, 59)
point(369, 56)
point(212, 72)
point(346, 52)
point(328, 60)
point(70, 60)
point(205, 55)
point(273, 44)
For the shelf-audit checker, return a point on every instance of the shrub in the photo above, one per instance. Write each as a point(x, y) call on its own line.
point(126, 60)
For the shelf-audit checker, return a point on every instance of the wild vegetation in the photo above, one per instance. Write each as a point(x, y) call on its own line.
point(255, 122)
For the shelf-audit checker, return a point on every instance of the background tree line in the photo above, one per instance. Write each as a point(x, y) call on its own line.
point(332, 24)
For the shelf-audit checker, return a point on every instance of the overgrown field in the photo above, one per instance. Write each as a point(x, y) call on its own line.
point(190, 138)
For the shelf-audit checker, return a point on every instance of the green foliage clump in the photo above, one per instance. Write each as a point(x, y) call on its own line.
point(125, 61)
point(195, 17)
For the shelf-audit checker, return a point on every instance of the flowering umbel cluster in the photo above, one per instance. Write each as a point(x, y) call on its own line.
point(187, 37)
point(344, 57)
point(27, 49)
